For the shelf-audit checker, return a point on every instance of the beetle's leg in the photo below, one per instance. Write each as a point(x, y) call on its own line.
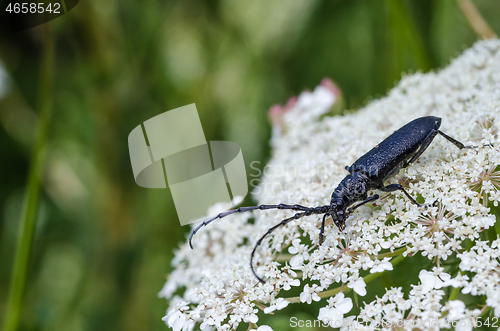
point(322, 230)
point(370, 199)
point(285, 221)
point(244, 209)
point(394, 187)
point(423, 146)
point(427, 141)
point(458, 143)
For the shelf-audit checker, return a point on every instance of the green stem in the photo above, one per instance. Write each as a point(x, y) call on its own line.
point(485, 310)
point(284, 257)
point(394, 262)
point(32, 195)
point(476, 20)
point(369, 278)
point(497, 226)
point(397, 252)
point(454, 293)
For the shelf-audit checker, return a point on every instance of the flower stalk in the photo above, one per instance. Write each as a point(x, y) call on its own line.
point(31, 200)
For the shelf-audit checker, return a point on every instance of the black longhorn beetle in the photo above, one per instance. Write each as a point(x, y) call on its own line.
point(369, 172)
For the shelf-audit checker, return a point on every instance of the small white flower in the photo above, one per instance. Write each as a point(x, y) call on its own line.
point(264, 328)
point(333, 314)
point(278, 305)
point(311, 105)
point(458, 281)
point(433, 280)
point(309, 294)
point(251, 318)
point(287, 285)
point(358, 285)
point(381, 266)
point(300, 250)
point(455, 308)
point(178, 321)
point(341, 303)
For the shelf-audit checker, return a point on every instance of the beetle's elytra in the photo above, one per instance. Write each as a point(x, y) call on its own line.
point(367, 173)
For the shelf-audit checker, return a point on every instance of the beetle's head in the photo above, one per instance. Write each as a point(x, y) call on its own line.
point(352, 188)
point(338, 212)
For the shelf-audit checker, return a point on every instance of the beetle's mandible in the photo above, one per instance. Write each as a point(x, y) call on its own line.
point(367, 173)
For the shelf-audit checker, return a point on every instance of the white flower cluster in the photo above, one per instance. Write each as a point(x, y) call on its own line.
point(422, 310)
point(484, 261)
point(212, 286)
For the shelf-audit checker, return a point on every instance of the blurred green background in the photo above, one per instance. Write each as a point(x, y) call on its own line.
point(103, 245)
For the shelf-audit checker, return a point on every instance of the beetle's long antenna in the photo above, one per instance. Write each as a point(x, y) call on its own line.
point(244, 209)
point(286, 220)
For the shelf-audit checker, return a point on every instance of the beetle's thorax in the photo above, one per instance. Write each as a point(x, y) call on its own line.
point(352, 188)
